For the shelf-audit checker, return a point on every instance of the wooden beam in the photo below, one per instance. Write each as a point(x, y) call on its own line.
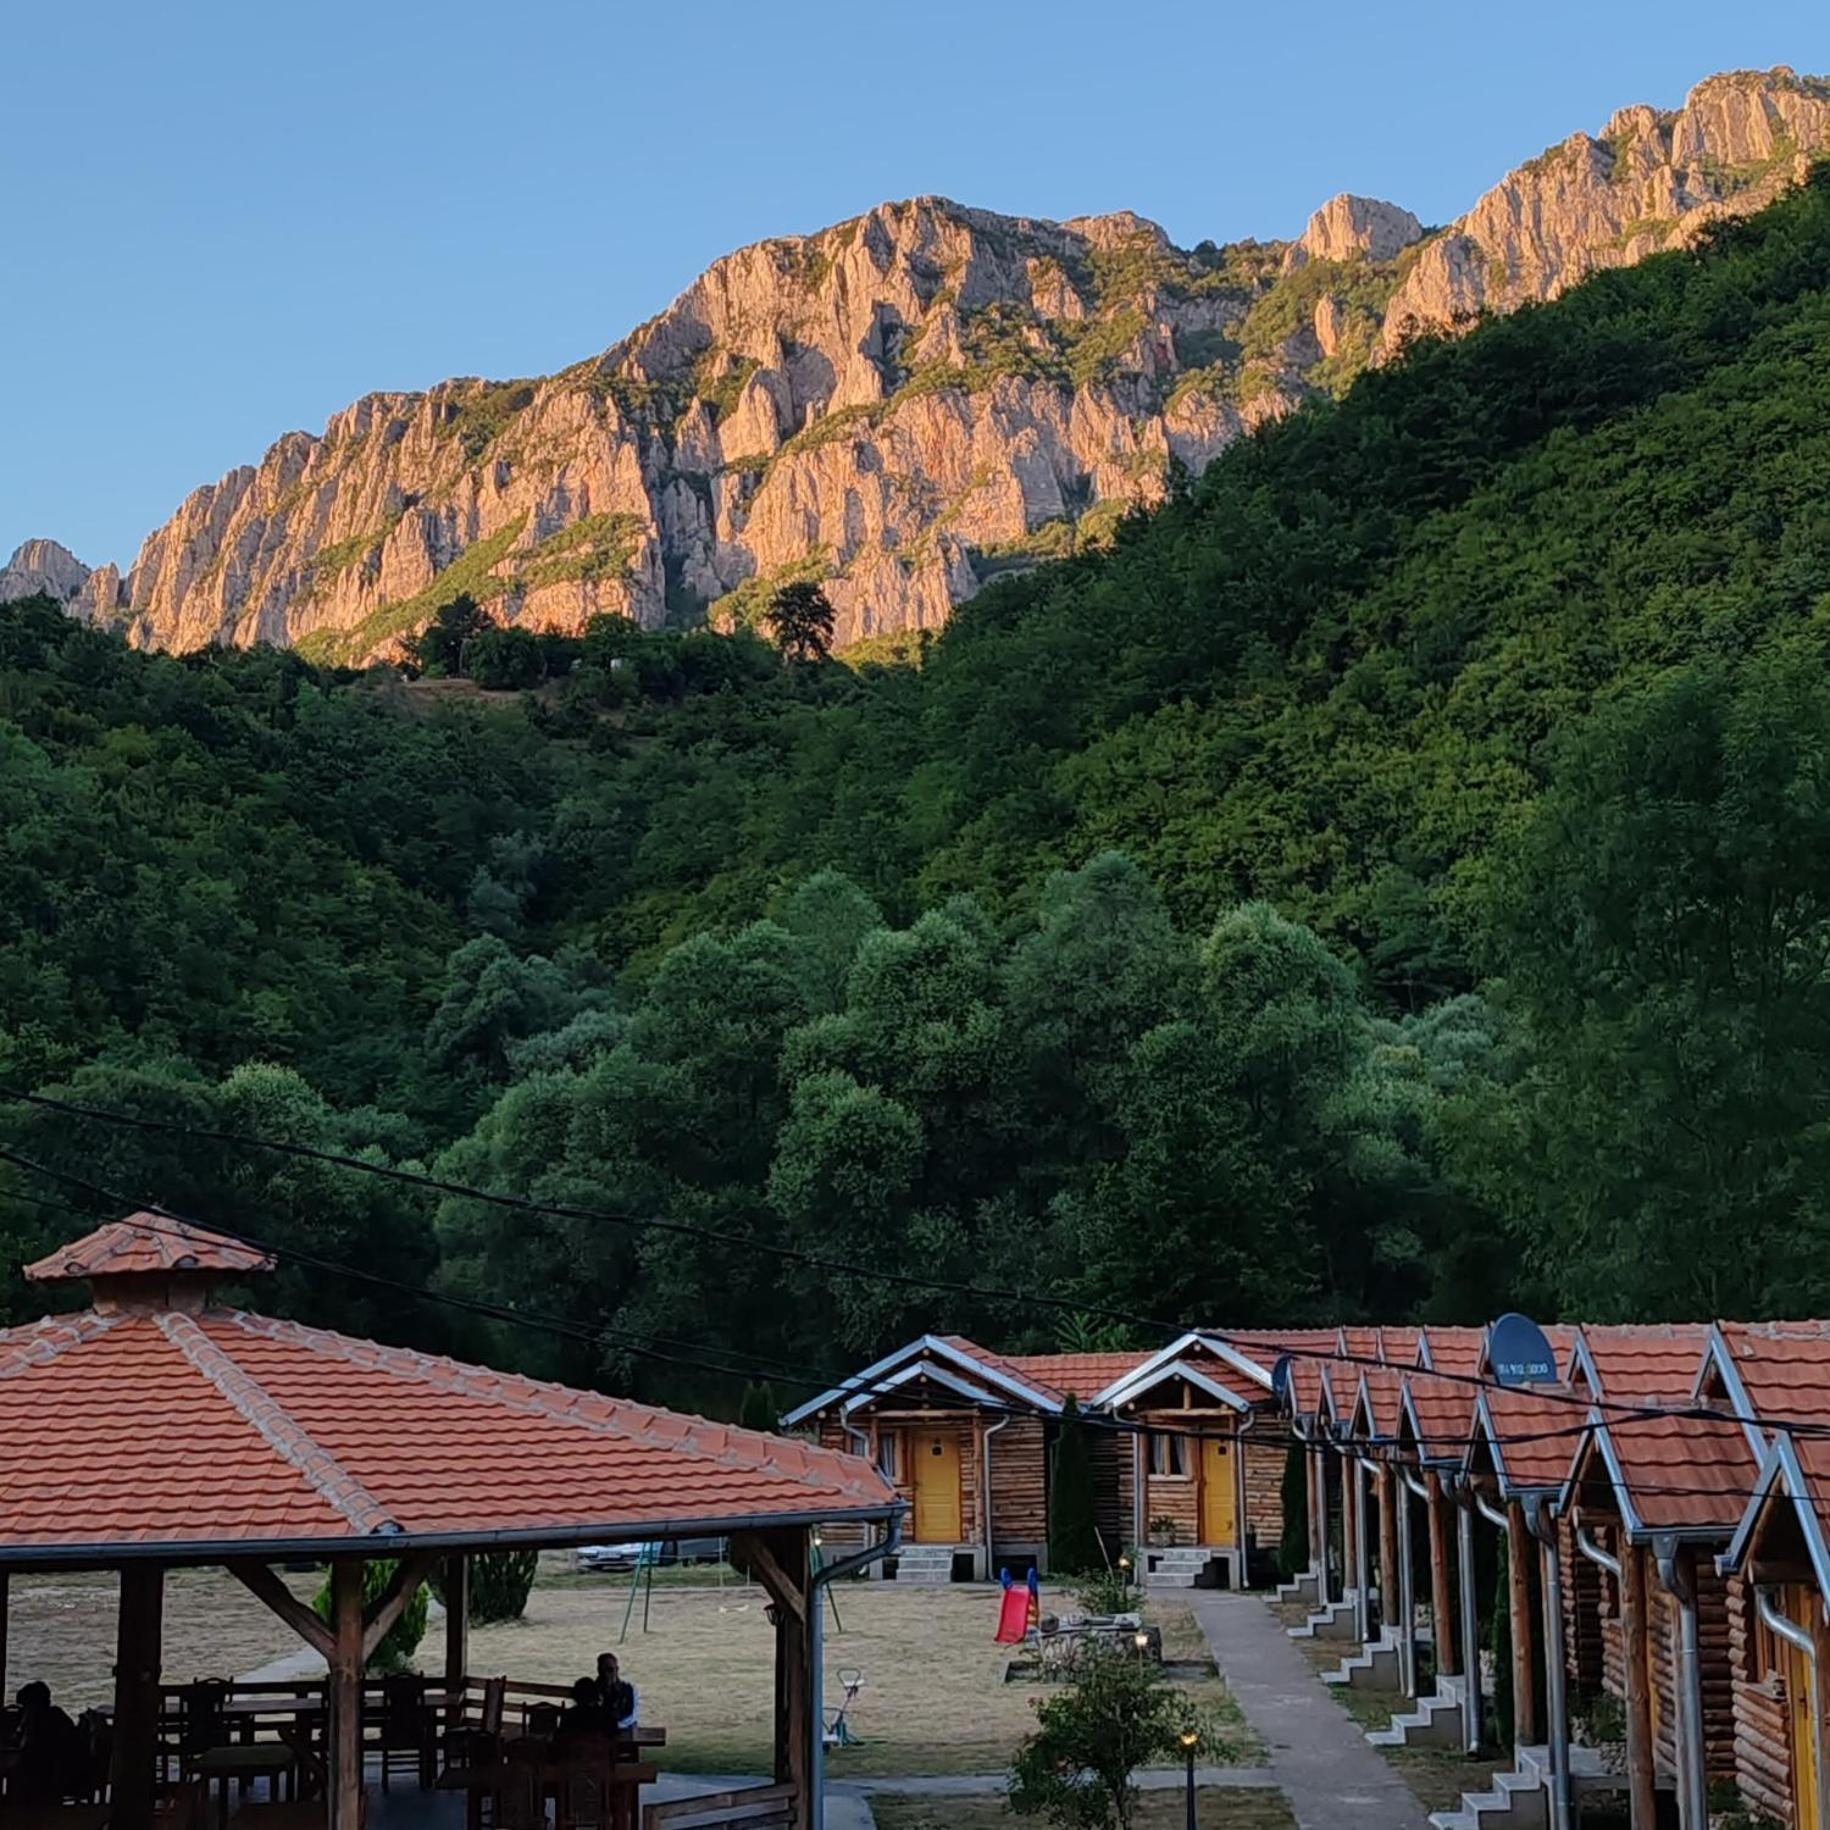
point(1442, 1614)
point(1388, 1548)
point(136, 1696)
point(457, 1629)
point(1635, 1652)
point(762, 1563)
point(344, 1695)
point(1524, 1663)
point(260, 1580)
point(387, 1607)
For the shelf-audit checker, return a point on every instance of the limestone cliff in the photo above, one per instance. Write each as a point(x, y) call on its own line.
point(905, 405)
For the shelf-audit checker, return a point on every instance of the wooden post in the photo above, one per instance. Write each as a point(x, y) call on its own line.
point(1524, 1666)
point(1388, 1550)
point(782, 1563)
point(344, 1686)
point(457, 1633)
point(1634, 1623)
point(1442, 1615)
point(139, 1632)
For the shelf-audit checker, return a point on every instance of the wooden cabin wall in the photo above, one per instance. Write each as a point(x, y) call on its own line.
point(971, 1479)
point(1613, 1636)
point(1019, 1482)
point(1762, 1744)
point(1264, 1485)
point(1174, 1496)
point(1715, 1661)
point(1114, 1487)
point(1662, 1639)
point(1585, 1610)
point(850, 1535)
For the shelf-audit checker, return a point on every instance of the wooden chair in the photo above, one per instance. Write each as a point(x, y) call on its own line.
point(200, 1723)
point(406, 1736)
point(479, 1743)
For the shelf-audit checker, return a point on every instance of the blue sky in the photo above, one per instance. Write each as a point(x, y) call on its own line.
point(226, 221)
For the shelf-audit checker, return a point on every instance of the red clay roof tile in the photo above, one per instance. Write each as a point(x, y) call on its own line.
point(145, 1244)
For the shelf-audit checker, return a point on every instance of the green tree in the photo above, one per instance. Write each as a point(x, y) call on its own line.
point(1293, 1545)
point(801, 619)
point(1073, 1537)
point(401, 1641)
point(439, 649)
point(760, 1410)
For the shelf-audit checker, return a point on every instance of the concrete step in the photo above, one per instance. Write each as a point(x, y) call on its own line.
point(1518, 1801)
point(1436, 1721)
point(925, 1563)
point(1374, 1667)
point(1180, 1567)
point(1306, 1588)
point(1335, 1621)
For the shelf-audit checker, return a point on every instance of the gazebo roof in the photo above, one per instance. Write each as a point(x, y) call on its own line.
point(144, 1243)
point(151, 1428)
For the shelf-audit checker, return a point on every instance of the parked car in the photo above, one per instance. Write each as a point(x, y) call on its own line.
point(603, 1557)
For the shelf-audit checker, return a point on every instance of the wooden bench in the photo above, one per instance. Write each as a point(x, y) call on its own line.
point(773, 1807)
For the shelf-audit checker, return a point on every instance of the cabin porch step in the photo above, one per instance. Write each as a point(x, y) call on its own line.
point(1335, 1621)
point(1518, 1801)
point(1374, 1667)
point(1435, 1722)
point(1182, 1567)
point(1305, 1588)
point(925, 1563)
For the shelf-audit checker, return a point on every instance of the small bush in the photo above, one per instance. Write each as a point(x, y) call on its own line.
point(395, 1653)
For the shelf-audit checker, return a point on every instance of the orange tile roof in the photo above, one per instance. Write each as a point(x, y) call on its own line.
point(1684, 1473)
point(1083, 1374)
point(1535, 1435)
point(1456, 1350)
point(157, 1427)
point(144, 1243)
point(1657, 1360)
point(1011, 1366)
point(1444, 1411)
point(1381, 1389)
point(1783, 1366)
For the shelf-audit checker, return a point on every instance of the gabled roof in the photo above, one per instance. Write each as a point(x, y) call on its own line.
point(1795, 1471)
point(1530, 1435)
point(1438, 1413)
point(193, 1435)
point(1378, 1402)
point(922, 1372)
point(953, 1351)
point(1081, 1374)
point(147, 1243)
point(1689, 1475)
point(1211, 1378)
point(1656, 1360)
point(1452, 1350)
point(1772, 1371)
point(1193, 1347)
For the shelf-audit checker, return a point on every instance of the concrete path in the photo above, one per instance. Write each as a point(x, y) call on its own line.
point(1318, 1757)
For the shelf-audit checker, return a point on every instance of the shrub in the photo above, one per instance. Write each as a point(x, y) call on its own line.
point(1293, 1546)
point(500, 1581)
point(759, 1410)
point(1073, 1538)
point(401, 1641)
point(1115, 1714)
point(1106, 1591)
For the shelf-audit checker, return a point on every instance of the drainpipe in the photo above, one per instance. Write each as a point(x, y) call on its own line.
point(1782, 1626)
point(1538, 1523)
point(991, 1561)
point(1362, 1553)
point(1676, 1574)
point(1470, 1628)
point(1404, 1488)
point(816, 1659)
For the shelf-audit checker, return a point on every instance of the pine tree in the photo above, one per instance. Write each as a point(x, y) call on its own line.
point(1073, 1537)
point(758, 1410)
point(1293, 1546)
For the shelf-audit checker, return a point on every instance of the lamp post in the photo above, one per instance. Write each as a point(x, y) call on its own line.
point(1141, 1640)
point(1190, 1741)
point(1124, 1572)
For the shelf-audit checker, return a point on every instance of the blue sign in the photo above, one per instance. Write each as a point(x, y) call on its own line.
point(1518, 1353)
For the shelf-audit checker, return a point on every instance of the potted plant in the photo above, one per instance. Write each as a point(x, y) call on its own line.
point(1162, 1533)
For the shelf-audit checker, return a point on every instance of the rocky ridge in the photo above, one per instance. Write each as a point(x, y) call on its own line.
point(905, 405)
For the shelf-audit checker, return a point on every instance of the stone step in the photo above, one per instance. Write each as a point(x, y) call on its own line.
point(1375, 1667)
point(1304, 1588)
point(1518, 1801)
point(925, 1563)
point(1335, 1621)
point(1435, 1722)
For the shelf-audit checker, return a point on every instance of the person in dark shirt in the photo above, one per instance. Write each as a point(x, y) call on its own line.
point(622, 1701)
point(48, 1748)
point(587, 1714)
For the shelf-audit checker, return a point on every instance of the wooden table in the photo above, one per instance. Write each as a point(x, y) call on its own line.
point(237, 1764)
point(625, 1777)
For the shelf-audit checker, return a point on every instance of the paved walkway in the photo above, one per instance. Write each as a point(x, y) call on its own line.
point(1320, 1759)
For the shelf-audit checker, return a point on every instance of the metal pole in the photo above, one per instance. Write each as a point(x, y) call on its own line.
point(1538, 1521)
point(1693, 1766)
point(1362, 1558)
point(816, 1659)
point(1470, 1628)
point(1407, 1589)
point(1189, 1747)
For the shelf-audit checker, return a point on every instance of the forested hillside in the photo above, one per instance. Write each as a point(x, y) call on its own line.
point(1393, 881)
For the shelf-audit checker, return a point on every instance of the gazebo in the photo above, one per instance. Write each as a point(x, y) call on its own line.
point(156, 1429)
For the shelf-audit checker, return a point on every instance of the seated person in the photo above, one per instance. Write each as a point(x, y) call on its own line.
point(622, 1702)
point(50, 1751)
point(586, 1715)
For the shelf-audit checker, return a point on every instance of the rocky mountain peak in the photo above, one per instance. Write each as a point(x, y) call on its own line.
point(905, 405)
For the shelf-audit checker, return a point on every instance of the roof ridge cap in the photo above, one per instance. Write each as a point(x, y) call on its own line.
point(51, 1336)
point(272, 1421)
point(794, 1459)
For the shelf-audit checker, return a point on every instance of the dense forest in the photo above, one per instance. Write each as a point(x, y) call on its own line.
point(1392, 881)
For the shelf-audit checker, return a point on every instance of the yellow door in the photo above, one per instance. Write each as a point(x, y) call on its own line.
point(1798, 1603)
point(1218, 1512)
point(935, 1472)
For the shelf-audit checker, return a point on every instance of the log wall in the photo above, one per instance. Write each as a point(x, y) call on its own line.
point(1019, 1484)
point(1762, 1745)
point(1114, 1488)
point(1264, 1487)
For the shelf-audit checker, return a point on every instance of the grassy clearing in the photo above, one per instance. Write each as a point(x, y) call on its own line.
point(934, 1699)
point(1218, 1809)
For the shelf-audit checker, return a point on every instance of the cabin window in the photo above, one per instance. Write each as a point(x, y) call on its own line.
point(1168, 1453)
point(889, 1455)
